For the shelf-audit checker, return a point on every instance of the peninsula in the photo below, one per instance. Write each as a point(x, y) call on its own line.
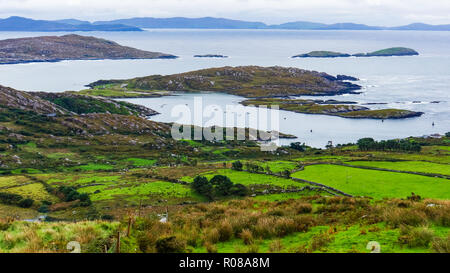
point(332, 108)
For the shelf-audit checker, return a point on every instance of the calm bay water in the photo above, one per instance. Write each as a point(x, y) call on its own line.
point(402, 82)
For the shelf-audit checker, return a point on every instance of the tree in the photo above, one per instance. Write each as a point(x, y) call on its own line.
point(222, 185)
point(202, 186)
point(26, 203)
point(237, 165)
point(365, 144)
point(298, 146)
point(239, 190)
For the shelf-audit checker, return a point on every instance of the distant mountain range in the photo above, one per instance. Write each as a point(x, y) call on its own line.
point(15, 23)
point(137, 24)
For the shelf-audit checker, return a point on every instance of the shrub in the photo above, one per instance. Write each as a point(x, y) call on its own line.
point(225, 231)
point(211, 248)
point(247, 236)
point(170, 244)
point(26, 203)
point(253, 248)
point(441, 245)
point(10, 198)
point(320, 240)
point(212, 236)
point(411, 217)
point(415, 237)
point(284, 226)
point(303, 208)
point(43, 208)
point(4, 224)
point(275, 246)
point(237, 165)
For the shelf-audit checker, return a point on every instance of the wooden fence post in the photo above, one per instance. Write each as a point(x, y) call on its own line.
point(118, 242)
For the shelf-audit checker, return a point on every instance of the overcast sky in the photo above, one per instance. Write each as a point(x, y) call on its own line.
point(374, 12)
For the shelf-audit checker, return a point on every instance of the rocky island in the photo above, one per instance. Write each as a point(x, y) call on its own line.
point(246, 81)
point(68, 47)
point(388, 52)
point(332, 108)
point(322, 54)
point(210, 56)
point(394, 51)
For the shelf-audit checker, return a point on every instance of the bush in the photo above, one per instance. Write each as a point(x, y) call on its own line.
point(247, 236)
point(26, 203)
point(411, 217)
point(320, 240)
point(211, 248)
point(170, 244)
point(225, 231)
point(212, 236)
point(441, 245)
point(10, 198)
point(303, 208)
point(43, 209)
point(415, 237)
point(237, 165)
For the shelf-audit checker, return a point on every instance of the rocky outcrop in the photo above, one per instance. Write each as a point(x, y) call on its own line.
point(68, 47)
point(83, 104)
point(14, 99)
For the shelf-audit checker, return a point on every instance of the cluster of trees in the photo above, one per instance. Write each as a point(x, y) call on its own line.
point(218, 186)
point(366, 144)
point(249, 166)
point(298, 146)
point(15, 199)
point(71, 194)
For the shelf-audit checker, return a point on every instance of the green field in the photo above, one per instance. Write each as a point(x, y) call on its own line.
point(411, 166)
point(248, 179)
point(376, 184)
point(150, 190)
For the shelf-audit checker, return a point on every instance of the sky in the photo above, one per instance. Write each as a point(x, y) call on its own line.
point(372, 12)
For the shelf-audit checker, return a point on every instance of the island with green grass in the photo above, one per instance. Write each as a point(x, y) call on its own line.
point(394, 51)
point(246, 81)
point(388, 52)
point(322, 54)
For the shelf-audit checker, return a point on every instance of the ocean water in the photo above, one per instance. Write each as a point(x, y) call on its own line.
point(418, 83)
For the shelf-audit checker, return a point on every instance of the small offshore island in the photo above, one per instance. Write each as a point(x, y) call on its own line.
point(69, 47)
point(389, 52)
point(263, 85)
point(210, 56)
